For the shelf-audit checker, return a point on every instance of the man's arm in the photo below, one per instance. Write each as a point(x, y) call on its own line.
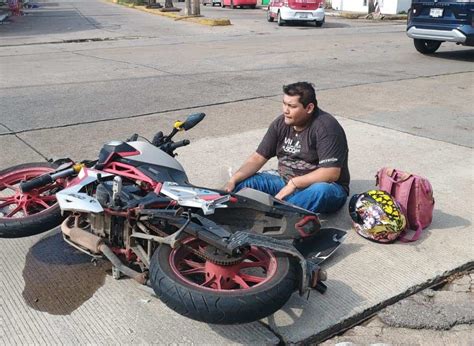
point(320, 175)
point(249, 168)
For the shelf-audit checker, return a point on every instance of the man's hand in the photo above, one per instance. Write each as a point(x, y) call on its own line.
point(249, 168)
point(286, 191)
point(229, 186)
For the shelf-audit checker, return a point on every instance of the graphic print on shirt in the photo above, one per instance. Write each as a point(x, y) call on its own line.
point(289, 147)
point(289, 165)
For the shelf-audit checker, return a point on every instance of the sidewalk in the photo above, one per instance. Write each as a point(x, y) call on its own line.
point(363, 15)
point(363, 276)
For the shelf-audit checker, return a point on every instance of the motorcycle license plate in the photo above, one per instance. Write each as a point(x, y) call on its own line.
point(436, 12)
point(322, 245)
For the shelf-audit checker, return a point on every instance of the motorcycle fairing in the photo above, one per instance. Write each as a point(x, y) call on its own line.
point(195, 197)
point(78, 201)
point(148, 159)
point(114, 148)
point(261, 213)
point(85, 177)
point(157, 173)
point(70, 199)
point(150, 154)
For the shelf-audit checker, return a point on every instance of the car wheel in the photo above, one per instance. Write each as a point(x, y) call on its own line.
point(319, 23)
point(279, 20)
point(269, 16)
point(426, 46)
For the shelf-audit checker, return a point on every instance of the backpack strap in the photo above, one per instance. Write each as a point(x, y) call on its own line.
point(387, 183)
point(398, 177)
point(403, 195)
point(415, 237)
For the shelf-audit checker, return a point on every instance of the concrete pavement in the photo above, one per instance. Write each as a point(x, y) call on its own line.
point(444, 315)
point(398, 109)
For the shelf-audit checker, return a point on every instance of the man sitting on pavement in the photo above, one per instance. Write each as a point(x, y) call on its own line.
point(312, 153)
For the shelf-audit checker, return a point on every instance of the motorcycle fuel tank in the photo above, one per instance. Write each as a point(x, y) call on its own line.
point(150, 154)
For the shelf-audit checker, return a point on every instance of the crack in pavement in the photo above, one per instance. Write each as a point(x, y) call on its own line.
point(184, 75)
point(90, 21)
point(133, 116)
point(125, 62)
point(79, 40)
point(267, 97)
point(356, 319)
point(274, 332)
point(410, 76)
point(12, 133)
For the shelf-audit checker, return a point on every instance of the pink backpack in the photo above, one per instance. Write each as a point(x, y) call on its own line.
point(415, 195)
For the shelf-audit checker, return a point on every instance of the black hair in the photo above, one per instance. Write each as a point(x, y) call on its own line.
point(304, 90)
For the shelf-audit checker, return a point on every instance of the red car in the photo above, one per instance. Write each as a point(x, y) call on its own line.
point(296, 10)
point(240, 3)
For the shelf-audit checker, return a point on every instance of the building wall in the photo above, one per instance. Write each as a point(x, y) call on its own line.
point(394, 6)
point(386, 6)
point(403, 5)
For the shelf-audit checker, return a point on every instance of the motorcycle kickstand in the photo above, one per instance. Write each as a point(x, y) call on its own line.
point(116, 273)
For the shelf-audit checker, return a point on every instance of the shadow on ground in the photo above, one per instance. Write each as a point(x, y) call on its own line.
point(58, 278)
point(48, 21)
point(458, 55)
point(327, 25)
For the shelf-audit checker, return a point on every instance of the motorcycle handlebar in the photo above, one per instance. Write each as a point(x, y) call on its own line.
point(36, 182)
point(176, 145)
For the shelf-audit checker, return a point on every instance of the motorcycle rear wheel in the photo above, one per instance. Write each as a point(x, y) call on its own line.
point(222, 294)
point(30, 213)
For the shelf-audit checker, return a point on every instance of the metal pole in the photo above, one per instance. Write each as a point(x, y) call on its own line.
point(371, 7)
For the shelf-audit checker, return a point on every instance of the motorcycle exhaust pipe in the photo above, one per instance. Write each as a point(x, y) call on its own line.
point(70, 228)
point(96, 245)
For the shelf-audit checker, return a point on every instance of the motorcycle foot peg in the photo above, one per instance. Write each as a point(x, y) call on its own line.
point(116, 274)
point(321, 287)
point(317, 275)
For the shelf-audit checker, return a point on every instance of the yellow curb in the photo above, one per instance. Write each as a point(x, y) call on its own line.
point(350, 15)
point(209, 21)
point(177, 16)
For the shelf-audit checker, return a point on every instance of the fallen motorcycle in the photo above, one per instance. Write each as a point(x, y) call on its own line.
point(212, 256)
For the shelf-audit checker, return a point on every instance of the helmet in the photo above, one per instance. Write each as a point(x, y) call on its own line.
point(377, 216)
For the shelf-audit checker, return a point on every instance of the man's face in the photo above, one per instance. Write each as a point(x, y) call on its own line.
point(294, 111)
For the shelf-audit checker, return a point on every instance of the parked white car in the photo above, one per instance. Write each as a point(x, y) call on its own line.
point(211, 2)
point(296, 10)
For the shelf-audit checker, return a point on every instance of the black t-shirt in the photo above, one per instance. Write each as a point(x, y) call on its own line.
point(322, 144)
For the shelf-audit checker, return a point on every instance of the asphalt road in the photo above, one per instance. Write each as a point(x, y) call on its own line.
point(74, 74)
point(166, 65)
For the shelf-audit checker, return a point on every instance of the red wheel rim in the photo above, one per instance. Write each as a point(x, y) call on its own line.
point(16, 204)
point(258, 266)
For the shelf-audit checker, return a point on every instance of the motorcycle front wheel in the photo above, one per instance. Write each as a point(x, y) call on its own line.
point(29, 213)
point(254, 287)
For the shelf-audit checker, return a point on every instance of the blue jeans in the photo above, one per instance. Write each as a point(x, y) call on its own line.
point(318, 197)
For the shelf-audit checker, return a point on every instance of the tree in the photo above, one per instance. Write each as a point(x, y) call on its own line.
point(371, 6)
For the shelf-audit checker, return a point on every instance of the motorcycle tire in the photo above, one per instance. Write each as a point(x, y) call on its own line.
point(42, 218)
point(218, 305)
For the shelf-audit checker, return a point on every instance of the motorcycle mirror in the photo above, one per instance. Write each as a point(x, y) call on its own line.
point(192, 121)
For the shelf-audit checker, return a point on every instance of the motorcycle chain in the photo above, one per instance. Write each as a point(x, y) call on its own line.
point(209, 253)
